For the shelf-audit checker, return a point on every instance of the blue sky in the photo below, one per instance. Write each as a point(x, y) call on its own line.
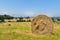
point(19, 8)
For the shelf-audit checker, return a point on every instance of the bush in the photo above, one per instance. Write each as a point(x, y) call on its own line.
point(58, 19)
point(24, 20)
point(53, 20)
point(28, 20)
point(2, 20)
point(9, 21)
point(21, 21)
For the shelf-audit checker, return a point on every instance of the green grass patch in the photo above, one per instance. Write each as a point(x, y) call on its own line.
point(22, 31)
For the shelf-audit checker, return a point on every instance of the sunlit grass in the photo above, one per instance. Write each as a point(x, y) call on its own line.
point(22, 31)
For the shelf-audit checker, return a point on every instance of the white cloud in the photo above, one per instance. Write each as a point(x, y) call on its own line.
point(29, 13)
point(2, 12)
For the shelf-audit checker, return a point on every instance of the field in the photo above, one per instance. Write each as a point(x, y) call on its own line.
point(22, 31)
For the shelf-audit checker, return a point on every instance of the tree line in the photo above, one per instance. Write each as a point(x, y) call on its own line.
point(56, 19)
point(21, 19)
point(2, 17)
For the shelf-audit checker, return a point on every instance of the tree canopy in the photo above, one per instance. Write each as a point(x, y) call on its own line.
point(6, 17)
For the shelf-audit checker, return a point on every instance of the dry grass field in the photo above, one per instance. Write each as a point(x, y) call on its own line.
point(22, 31)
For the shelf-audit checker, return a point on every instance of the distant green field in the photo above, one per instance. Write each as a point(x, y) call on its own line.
point(22, 31)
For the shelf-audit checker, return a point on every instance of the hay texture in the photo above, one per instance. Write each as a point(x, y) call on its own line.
point(42, 24)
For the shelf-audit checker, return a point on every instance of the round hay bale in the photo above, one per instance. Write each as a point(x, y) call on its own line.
point(42, 24)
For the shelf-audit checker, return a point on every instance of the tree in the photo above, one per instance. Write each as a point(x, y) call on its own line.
point(58, 19)
point(28, 20)
point(2, 17)
point(8, 17)
point(27, 17)
point(53, 20)
point(20, 18)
